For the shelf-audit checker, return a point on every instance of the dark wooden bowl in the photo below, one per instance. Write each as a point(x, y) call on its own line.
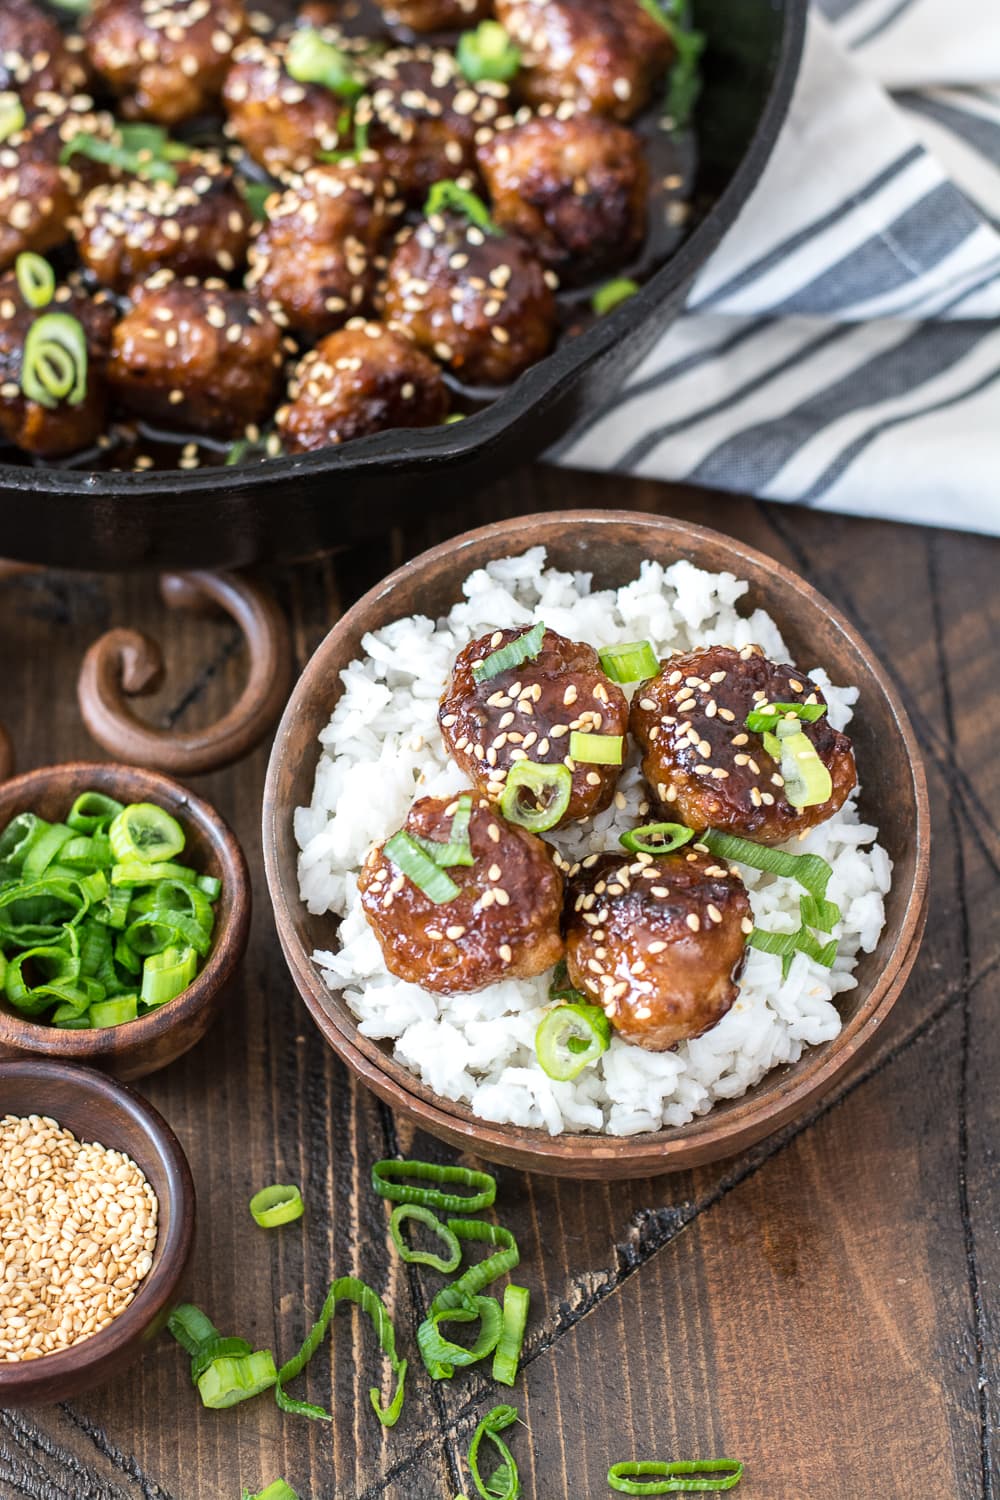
point(139, 1047)
point(96, 1108)
point(611, 544)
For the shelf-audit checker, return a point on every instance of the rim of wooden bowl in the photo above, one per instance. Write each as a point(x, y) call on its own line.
point(98, 1358)
point(117, 1043)
point(783, 1093)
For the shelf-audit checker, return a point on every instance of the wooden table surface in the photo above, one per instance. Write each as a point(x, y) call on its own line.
point(824, 1308)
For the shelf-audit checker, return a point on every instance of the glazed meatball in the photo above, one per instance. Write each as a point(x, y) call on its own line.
point(575, 188)
point(360, 380)
point(480, 302)
point(435, 15)
point(36, 60)
point(38, 192)
point(529, 712)
point(165, 59)
point(314, 261)
point(282, 124)
point(503, 924)
point(704, 765)
point(603, 55)
point(658, 943)
point(196, 356)
point(63, 428)
point(199, 225)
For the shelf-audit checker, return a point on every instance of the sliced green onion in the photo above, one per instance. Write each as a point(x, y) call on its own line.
point(141, 150)
point(516, 1300)
point(656, 838)
point(228, 1381)
point(596, 749)
point(278, 1489)
point(448, 194)
point(607, 297)
point(93, 812)
point(210, 886)
point(504, 1483)
point(681, 1477)
point(346, 1289)
point(489, 53)
point(570, 1038)
point(460, 1297)
point(276, 1205)
point(166, 975)
point(212, 1349)
point(633, 662)
point(811, 872)
point(146, 834)
point(550, 785)
point(114, 1012)
point(823, 915)
point(72, 7)
point(410, 860)
point(68, 1018)
point(808, 783)
point(12, 116)
point(685, 79)
point(787, 944)
point(311, 59)
point(135, 872)
point(86, 852)
point(44, 850)
point(524, 647)
point(458, 849)
point(255, 195)
point(54, 361)
point(36, 280)
point(431, 1221)
point(191, 1327)
point(769, 716)
point(386, 1175)
point(442, 1356)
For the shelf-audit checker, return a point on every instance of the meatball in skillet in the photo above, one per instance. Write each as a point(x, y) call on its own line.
point(360, 380)
point(478, 301)
point(503, 924)
point(706, 767)
point(165, 59)
point(196, 356)
point(67, 425)
point(658, 943)
point(314, 260)
point(281, 123)
point(529, 712)
point(38, 191)
point(198, 225)
point(603, 55)
point(37, 61)
point(435, 15)
point(575, 189)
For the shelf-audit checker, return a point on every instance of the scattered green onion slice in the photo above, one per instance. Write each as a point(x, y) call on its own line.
point(346, 1289)
point(596, 749)
point(311, 59)
point(410, 860)
point(524, 647)
point(633, 662)
point(212, 1349)
point(823, 915)
point(458, 848)
point(443, 1356)
point(810, 870)
point(680, 1477)
point(142, 150)
point(488, 53)
point(570, 1038)
point(550, 785)
point(228, 1381)
point(386, 1175)
point(656, 838)
point(607, 297)
point(191, 1327)
point(278, 1489)
point(54, 361)
point(770, 714)
point(448, 194)
point(12, 116)
point(787, 944)
point(431, 1221)
point(808, 783)
point(278, 1204)
point(508, 1351)
point(36, 280)
point(504, 1483)
point(145, 833)
point(685, 79)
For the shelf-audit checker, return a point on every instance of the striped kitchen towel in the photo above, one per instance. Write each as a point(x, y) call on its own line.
point(842, 347)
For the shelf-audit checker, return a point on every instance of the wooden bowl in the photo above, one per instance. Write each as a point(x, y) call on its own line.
point(611, 544)
point(141, 1046)
point(96, 1108)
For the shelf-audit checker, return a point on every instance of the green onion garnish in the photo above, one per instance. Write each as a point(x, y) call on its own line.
point(811, 872)
point(448, 194)
point(12, 116)
point(769, 715)
point(278, 1204)
point(36, 280)
point(255, 195)
point(550, 785)
point(633, 662)
point(808, 783)
point(607, 297)
point(508, 1351)
point(191, 1327)
point(570, 1038)
point(216, 1348)
point(680, 1477)
point(141, 150)
point(458, 848)
point(685, 79)
point(430, 1219)
point(656, 838)
point(228, 1381)
point(504, 1483)
point(488, 52)
point(311, 59)
point(410, 860)
point(596, 749)
point(278, 1489)
point(386, 1175)
point(72, 7)
point(525, 648)
point(787, 944)
point(460, 1301)
point(346, 1289)
point(267, 445)
point(54, 361)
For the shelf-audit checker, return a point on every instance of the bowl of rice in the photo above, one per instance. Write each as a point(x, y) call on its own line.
point(360, 741)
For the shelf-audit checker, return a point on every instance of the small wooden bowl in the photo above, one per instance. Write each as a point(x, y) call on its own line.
point(611, 544)
point(139, 1047)
point(96, 1108)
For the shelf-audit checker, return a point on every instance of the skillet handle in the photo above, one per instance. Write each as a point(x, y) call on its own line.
point(123, 664)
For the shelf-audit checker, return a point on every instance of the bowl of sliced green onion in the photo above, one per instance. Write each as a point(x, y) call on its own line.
point(124, 913)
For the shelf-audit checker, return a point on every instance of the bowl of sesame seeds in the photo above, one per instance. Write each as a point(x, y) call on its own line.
point(97, 1213)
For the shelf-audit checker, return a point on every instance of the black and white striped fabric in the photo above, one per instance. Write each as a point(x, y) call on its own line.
point(842, 348)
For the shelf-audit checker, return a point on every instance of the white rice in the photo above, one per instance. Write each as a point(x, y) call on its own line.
point(382, 748)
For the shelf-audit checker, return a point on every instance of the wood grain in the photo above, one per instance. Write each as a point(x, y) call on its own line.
point(825, 1306)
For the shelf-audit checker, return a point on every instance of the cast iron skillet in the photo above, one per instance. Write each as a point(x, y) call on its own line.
point(289, 507)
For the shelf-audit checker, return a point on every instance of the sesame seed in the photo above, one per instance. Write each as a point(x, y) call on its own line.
point(693, 921)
